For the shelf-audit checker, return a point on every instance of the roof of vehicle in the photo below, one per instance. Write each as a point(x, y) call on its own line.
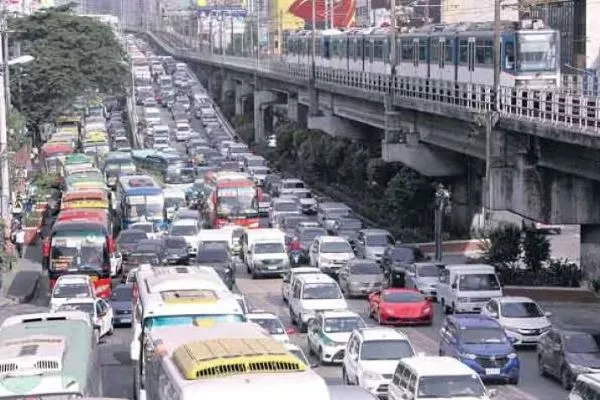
point(332, 239)
point(73, 279)
point(173, 192)
point(262, 315)
point(465, 321)
point(79, 300)
point(304, 270)
point(467, 267)
point(374, 231)
point(184, 222)
point(339, 314)
point(381, 333)
point(182, 125)
point(141, 223)
point(289, 199)
point(514, 299)
point(132, 230)
point(437, 366)
point(346, 392)
point(316, 278)
point(292, 180)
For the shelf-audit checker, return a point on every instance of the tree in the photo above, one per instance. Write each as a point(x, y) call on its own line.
point(74, 56)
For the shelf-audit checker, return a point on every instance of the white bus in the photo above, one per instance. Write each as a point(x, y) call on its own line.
point(177, 297)
point(227, 361)
point(49, 355)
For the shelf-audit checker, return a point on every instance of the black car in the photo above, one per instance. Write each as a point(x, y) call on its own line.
point(217, 256)
point(306, 236)
point(128, 240)
point(147, 251)
point(396, 260)
point(566, 353)
point(176, 251)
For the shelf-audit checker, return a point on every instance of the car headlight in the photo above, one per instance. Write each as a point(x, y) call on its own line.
point(371, 376)
point(512, 356)
point(579, 369)
point(468, 356)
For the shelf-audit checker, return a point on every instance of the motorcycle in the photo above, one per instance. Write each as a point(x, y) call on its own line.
point(295, 256)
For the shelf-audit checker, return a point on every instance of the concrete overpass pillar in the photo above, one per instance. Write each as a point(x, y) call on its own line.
point(393, 131)
point(590, 250)
point(292, 107)
point(227, 88)
point(262, 100)
point(241, 93)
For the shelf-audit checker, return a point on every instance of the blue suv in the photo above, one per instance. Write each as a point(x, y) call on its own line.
point(480, 343)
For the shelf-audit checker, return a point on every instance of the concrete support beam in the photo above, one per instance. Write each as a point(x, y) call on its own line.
point(262, 99)
point(335, 126)
point(423, 158)
point(313, 100)
point(590, 250)
point(227, 88)
point(292, 107)
point(242, 91)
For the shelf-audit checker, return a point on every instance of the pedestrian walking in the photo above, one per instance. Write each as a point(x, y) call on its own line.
point(20, 241)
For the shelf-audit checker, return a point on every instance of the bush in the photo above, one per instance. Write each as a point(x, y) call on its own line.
point(556, 273)
point(503, 246)
point(32, 220)
point(536, 249)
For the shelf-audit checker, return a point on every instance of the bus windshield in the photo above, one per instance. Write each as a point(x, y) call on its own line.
point(183, 175)
point(536, 52)
point(237, 201)
point(166, 321)
point(150, 207)
point(78, 254)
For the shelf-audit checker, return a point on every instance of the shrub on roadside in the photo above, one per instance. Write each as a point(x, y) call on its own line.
point(556, 273)
point(502, 246)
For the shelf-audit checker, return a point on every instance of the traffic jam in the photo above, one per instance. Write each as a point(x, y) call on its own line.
point(165, 223)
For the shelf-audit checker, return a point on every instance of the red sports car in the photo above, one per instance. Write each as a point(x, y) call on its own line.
point(400, 306)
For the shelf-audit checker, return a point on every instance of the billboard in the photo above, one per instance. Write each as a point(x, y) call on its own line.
point(301, 10)
point(12, 6)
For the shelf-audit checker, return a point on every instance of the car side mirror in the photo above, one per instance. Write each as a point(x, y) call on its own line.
point(313, 366)
point(548, 314)
point(494, 315)
point(453, 286)
point(290, 331)
point(492, 392)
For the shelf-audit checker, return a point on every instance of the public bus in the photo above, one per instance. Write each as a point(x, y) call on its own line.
point(175, 170)
point(72, 121)
point(51, 154)
point(75, 162)
point(92, 195)
point(49, 356)
point(175, 297)
point(233, 201)
point(85, 180)
point(181, 362)
point(81, 246)
point(139, 198)
point(115, 164)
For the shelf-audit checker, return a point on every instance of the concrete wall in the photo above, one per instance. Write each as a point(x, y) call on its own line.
point(454, 11)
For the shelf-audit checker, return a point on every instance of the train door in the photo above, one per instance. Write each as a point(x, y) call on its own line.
point(422, 65)
point(466, 59)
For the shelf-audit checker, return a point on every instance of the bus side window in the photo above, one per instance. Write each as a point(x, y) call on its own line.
point(509, 56)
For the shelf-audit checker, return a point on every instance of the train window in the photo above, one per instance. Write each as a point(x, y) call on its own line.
point(449, 52)
point(378, 50)
point(407, 50)
point(463, 51)
point(484, 52)
point(359, 49)
point(334, 48)
point(422, 50)
point(509, 56)
point(435, 50)
point(343, 48)
point(369, 50)
point(351, 50)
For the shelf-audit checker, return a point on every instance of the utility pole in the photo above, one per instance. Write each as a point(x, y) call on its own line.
point(5, 177)
point(394, 21)
point(442, 207)
point(313, 37)
point(497, 44)
point(331, 14)
point(6, 70)
point(426, 11)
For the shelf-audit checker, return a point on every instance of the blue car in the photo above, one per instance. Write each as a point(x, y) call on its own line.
point(480, 343)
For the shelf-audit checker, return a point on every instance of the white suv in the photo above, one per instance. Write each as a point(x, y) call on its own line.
point(182, 131)
point(330, 253)
point(371, 357)
point(71, 287)
point(328, 334)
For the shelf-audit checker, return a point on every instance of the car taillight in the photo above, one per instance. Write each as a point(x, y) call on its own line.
point(46, 248)
point(110, 243)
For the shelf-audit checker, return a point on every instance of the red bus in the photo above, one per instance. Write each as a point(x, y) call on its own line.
point(51, 154)
point(81, 243)
point(233, 201)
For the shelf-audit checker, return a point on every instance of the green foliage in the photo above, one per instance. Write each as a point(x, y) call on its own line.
point(44, 183)
point(557, 273)
point(536, 249)
point(502, 246)
point(74, 56)
point(16, 130)
point(32, 220)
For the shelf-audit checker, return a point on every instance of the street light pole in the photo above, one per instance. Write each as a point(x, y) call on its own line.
point(497, 54)
point(4, 176)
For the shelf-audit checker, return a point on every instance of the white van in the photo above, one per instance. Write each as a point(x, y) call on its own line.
point(252, 235)
point(467, 287)
point(159, 131)
point(152, 116)
point(174, 200)
point(312, 293)
point(436, 378)
point(267, 257)
point(586, 387)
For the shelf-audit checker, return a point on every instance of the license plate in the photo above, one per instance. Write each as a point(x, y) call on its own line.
point(126, 320)
point(94, 278)
point(492, 371)
point(273, 268)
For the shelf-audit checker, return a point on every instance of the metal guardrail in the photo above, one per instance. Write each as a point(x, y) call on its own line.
point(562, 108)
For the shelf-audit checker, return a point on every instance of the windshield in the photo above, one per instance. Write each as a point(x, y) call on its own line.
point(291, 223)
point(148, 228)
point(238, 150)
point(452, 386)
point(120, 165)
point(308, 235)
point(403, 297)
point(131, 237)
point(268, 248)
point(406, 254)
point(350, 225)
point(286, 206)
point(234, 201)
point(321, 291)
point(536, 52)
point(180, 175)
point(89, 257)
point(428, 271)
point(293, 185)
point(190, 320)
point(386, 350)
point(521, 310)
point(183, 230)
point(473, 282)
point(483, 335)
point(122, 294)
point(365, 269)
point(85, 307)
point(71, 291)
point(379, 240)
point(212, 256)
point(581, 343)
point(143, 258)
point(271, 325)
point(257, 162)
point(344, 324)
point(172, 202)
point(335, 247)
point(148, 210)
point(174, 243)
